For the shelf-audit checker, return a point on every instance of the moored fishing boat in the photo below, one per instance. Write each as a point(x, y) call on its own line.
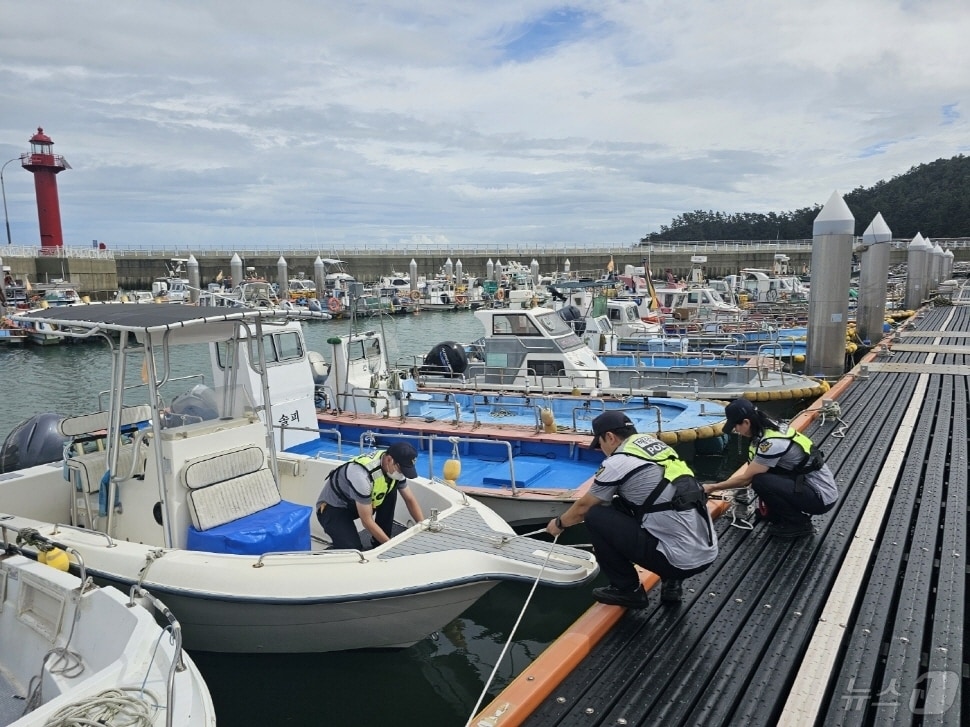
point(75, 653)
point(524, 454)
point(199, 506)
point(535, 351)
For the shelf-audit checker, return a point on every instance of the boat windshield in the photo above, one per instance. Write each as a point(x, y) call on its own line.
point(553, 324)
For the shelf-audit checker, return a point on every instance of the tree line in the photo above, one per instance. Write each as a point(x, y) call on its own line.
point(932, 199)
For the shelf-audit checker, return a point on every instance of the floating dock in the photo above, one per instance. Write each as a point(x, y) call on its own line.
point(861, 624)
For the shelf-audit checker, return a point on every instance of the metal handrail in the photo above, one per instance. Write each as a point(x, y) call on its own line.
point(287, 427)
point(521, 405)
point(371, 436)
point(311, 553)
point(82, 570)
point(178, 663)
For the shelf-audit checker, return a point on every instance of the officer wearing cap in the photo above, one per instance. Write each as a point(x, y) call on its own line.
point(366, 487)
point(644, 507)
point(785, 469)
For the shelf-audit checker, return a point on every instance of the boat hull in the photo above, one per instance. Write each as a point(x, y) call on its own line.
point(230, 624)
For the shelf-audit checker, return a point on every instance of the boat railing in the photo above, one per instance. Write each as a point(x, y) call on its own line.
point(330, 552)
point(600, 405)
point(131, 387)
point(686, 358)
point(426, 442)
point(284, 428)
point(640, 380)
point(536, 410)
point(500, 376)
point(30, 536)
point(373, 395)
point(178, 662)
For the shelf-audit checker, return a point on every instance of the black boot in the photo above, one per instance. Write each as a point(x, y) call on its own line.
point(671, 591)
point(614, 596)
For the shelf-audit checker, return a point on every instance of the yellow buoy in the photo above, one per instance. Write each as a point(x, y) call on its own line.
point(452, 470)
point(55, 558)
point(548, 420)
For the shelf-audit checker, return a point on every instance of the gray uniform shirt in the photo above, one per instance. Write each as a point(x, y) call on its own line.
point(684, 537)
point(356, 486)
point(781, 452)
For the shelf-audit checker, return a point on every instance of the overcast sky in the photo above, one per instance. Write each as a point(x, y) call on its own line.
point(296, 123)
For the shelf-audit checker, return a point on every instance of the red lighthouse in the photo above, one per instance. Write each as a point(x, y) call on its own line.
point(45, 165)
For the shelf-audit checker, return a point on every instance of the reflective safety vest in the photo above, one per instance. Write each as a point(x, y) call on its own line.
point(813, 458)
point(380, 485)
point(688, 493)
point(653, 450)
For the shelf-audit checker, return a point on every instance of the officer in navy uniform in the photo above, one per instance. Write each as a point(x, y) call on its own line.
point(645, 507)
point(366, 487)
point(785, 469)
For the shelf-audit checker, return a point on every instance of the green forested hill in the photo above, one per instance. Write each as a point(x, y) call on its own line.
point(933, 199)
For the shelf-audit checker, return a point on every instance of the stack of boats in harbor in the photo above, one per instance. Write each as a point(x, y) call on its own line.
point(201, 497)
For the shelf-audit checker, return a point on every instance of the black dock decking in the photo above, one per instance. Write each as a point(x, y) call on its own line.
point(862, 624)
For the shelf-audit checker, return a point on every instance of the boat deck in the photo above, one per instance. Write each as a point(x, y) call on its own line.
point(862, 624)
point(12, 701)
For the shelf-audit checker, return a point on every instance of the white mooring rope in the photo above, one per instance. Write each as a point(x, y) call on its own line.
point(508, 643)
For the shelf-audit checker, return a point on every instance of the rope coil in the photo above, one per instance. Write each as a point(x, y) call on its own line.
point(831, 410)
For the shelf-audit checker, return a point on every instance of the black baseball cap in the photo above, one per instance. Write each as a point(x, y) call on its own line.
point(736, 411)
point(608, 421)
point(404, 454)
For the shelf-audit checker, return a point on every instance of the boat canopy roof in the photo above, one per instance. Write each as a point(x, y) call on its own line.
point(140, 317)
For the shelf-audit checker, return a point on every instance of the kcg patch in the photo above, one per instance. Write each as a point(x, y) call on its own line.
point(764, 446)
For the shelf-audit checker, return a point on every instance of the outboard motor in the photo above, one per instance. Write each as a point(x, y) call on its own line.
point(448, 358)
point(318, 366)
point(574, 317)
point(198, 404)
point(32, 442)
point(320, 369)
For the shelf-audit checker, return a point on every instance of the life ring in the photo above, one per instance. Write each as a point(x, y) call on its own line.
point(415, 295)
point(650, 319)
point(500, 294)
point(334, 305)
point(461, 299)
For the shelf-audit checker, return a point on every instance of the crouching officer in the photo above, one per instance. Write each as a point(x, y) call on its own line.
point(785, 469)
point(366, 487)
point(645, 507)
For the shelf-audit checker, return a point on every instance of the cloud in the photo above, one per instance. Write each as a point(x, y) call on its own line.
point(299, 123)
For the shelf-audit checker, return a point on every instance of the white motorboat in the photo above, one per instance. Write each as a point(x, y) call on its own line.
point(199, 507)
point(536, 351)
point(75, 653)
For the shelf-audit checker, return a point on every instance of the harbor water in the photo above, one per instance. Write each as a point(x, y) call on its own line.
point(436, 682)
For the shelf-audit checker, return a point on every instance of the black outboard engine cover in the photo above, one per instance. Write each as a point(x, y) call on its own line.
point(446, 358)
point(574, 317)
point(32, 442)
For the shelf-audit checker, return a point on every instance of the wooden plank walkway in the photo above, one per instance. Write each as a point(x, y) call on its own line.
point(862, 624)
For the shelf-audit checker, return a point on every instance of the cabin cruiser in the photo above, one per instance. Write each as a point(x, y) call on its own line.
point(199, 505)
point(535, 351)
point(173, 287)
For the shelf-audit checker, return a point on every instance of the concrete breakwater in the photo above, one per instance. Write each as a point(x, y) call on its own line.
point(99, 276)
point(138, 272)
